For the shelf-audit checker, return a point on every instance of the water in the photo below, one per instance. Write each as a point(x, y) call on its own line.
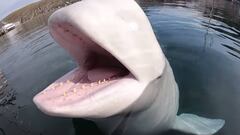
point(201, 40)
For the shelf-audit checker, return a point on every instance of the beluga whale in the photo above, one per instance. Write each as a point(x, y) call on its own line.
point(123, 81)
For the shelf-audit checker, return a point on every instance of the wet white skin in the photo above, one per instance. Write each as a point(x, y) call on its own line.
point(123, 82)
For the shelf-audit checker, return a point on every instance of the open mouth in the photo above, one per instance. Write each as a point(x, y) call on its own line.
point(97, 70)
point(117, 54)
point(99, 75)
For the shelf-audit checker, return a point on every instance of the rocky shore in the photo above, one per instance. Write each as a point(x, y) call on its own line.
point(35, 9)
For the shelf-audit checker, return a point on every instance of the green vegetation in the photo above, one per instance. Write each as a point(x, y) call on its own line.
point(35, 9)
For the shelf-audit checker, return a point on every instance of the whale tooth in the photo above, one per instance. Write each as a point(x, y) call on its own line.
point(64, 93)
point(74, 90)
point(52, 87)
point(68, 81)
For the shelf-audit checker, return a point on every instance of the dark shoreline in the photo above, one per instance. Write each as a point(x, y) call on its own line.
point(35, 9)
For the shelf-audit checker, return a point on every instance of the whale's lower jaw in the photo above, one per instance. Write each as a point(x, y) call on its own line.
point(88, 99)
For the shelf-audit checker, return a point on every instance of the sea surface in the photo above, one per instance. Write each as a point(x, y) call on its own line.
point(201, 39)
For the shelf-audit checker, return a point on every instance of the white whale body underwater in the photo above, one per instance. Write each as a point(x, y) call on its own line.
point(123, 82)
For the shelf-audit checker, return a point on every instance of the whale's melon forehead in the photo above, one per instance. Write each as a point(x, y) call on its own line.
point(124, 31)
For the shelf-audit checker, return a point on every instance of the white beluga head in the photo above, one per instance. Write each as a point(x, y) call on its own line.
point(111, 42)
point(122, 75)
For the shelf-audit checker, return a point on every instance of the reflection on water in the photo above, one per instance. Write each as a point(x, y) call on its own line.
point(201, 39)
point(203, 47)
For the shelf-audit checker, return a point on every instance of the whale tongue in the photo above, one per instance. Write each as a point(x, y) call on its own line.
point(103, 73)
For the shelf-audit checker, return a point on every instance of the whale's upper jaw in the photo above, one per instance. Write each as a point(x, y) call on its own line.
point(117, 53)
